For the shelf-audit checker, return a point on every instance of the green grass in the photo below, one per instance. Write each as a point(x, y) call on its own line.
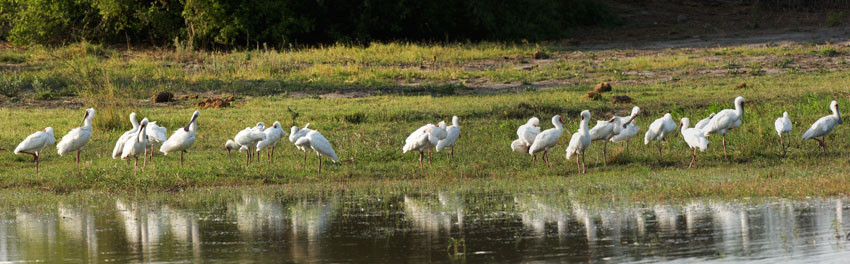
point(368, 132)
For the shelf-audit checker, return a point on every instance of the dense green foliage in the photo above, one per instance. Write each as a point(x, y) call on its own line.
point(251, 23)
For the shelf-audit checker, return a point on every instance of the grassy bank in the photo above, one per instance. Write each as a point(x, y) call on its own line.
point(368, 133)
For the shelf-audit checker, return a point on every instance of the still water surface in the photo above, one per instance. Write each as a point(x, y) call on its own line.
point(439, 227)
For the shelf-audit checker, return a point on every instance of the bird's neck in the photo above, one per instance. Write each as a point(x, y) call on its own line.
point(87, 123)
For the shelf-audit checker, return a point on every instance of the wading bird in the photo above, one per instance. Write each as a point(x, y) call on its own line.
point(35, 143)
point(629, 130)
point(725, 121)
point(319, 144)
point(452, 135)
point(526, 132)
point(119, 145)
point(547, 139)
point(231, 145)
point(136, 146)
point(824, 126)
point(424, 138)
point(658, 131)
point(78, 137)
point(694, 138)
point(295, 134)
point(156, 136)
point(580, 142)
point(783, 126)
point(182, 138)
point(249, 137)
point(273, 135)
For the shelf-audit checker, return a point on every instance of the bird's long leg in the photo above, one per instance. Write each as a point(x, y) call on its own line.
point(78, 157)
point(453, 153)
point(273, 154)
point(421, 166)
point(583, 166)
point(429, 156)
point(144, 158)
point(247, 157)
point(822, 144)
point(604, 153)
point(660, 155)
point(36, 162)
point(320, 164)
point(228, 156)
point(305, 157)
point(693, 158)
point(782, 144)
point(546, 158)
point(724, 147)
point(181, 158)
point(578, 165)
point(533, 159)
point(135, 165)
point(627, 146)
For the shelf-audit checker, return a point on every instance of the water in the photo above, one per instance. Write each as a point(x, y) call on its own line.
point(440, 227)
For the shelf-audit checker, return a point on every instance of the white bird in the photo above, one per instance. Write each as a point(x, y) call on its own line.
point(295, 134)
point(704, 122)
point(273, 135)
point(659, 130)
point(182, 138)
point(78, 137)
point(580, 141)
point(231, 145)
point(452, 135)
point(119, 145)
point(136, 146)
point(35, 143)
point(526, 133)
point(629, 130)
point(726, 120)
point(319, 144)
point(824, 126)
point(695, 139)
point(547, 139)
point(156, 137)
point(424, 138)
point(783, 126)
point(249, 137)
point(604, 130)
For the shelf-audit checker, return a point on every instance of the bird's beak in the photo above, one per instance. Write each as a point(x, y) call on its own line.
point(743, 107)
point(85, 116)
point(840, 121)
point(630, 121)
point(186, 128)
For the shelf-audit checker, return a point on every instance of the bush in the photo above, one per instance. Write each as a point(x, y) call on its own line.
point(283, 23)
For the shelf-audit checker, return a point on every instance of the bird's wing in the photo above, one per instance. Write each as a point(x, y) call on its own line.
point(519, 146)
point(451, 138)
point(779, 125)
point(413, 136)
point(575, 142)
point(722, 120)
point(33, 142)
point(321, 145)
point(528, 134)
point(652, 132)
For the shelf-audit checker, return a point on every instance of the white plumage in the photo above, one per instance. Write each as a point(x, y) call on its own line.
point(424, 138)
point(295, 134)
point(629, 130)
point(782, 126)
point(231, 145)
point(249, 137)
point(659, 130)
point(273, 135)
point(547, 139)
point(156, 137)
point(726, 120)
point(78, 137)
point(526, 133)
point(35, 143)
point(137, 145)
point(181, 139)
point(119, 145)
point(695, 139)
point(319, 144)
point(704, 122)
point(824, 126)
point(452, 135)
point(580, 141)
